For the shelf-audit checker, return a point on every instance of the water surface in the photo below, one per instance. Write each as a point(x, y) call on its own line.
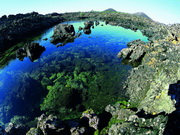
point(69, 79)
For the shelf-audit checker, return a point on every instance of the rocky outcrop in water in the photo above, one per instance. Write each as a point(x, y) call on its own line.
point(31, 50)
point(63, 33)
point(136, 51)
point(87, 27)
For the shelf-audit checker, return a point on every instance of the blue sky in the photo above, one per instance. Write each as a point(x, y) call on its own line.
point(165, 11)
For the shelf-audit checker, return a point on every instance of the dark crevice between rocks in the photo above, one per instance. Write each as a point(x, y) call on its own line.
point(130, 63)
point(104, 120)
point(173, 124)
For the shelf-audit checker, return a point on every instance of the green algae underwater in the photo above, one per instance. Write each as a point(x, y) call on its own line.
point(67, 80)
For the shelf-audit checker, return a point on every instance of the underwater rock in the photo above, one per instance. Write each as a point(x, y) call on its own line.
point(63, 33)
point(92, 118)
point(45, 39)
point(2, 131)
point(78, 131)
point(79, 34)
point(13, 129)
point(50, 125)
point(31, 50)
point(34, 131)
point(20, 98)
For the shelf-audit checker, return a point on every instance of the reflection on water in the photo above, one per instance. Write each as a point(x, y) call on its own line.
point(31, 50)
point(66, 80)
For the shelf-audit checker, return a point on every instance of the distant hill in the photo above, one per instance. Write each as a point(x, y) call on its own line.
point(143, 15)
point(110, 9)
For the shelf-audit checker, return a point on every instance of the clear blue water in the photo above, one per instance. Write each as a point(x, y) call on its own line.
point(104, 73)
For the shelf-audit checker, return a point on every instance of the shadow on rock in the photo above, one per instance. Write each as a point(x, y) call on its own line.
point(173, 127)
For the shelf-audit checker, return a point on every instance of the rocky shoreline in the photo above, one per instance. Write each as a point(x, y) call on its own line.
point(15, 28)
point(152, 87)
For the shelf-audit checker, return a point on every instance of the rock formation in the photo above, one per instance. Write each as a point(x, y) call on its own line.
point(63, 33)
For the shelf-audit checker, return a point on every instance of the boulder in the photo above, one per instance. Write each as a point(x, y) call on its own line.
point(88, 24)
point(87, 31)
point(45, 39)
point(106, 22)
point(136, 51)
point(87, 27)
point(63, 33)
point(97, 23)
point(92, 118)
point(78, 131)
point(50, 125)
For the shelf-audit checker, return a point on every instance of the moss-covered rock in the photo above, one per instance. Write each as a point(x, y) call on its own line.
point(159, 69)
point(129, 122)
point(34, 131)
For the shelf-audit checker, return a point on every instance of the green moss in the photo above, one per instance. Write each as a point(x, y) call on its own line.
point(97, 132)
point(19, 120)
point(112, 121)
point(89, 111)
point(125, 104)
point(53, 76)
